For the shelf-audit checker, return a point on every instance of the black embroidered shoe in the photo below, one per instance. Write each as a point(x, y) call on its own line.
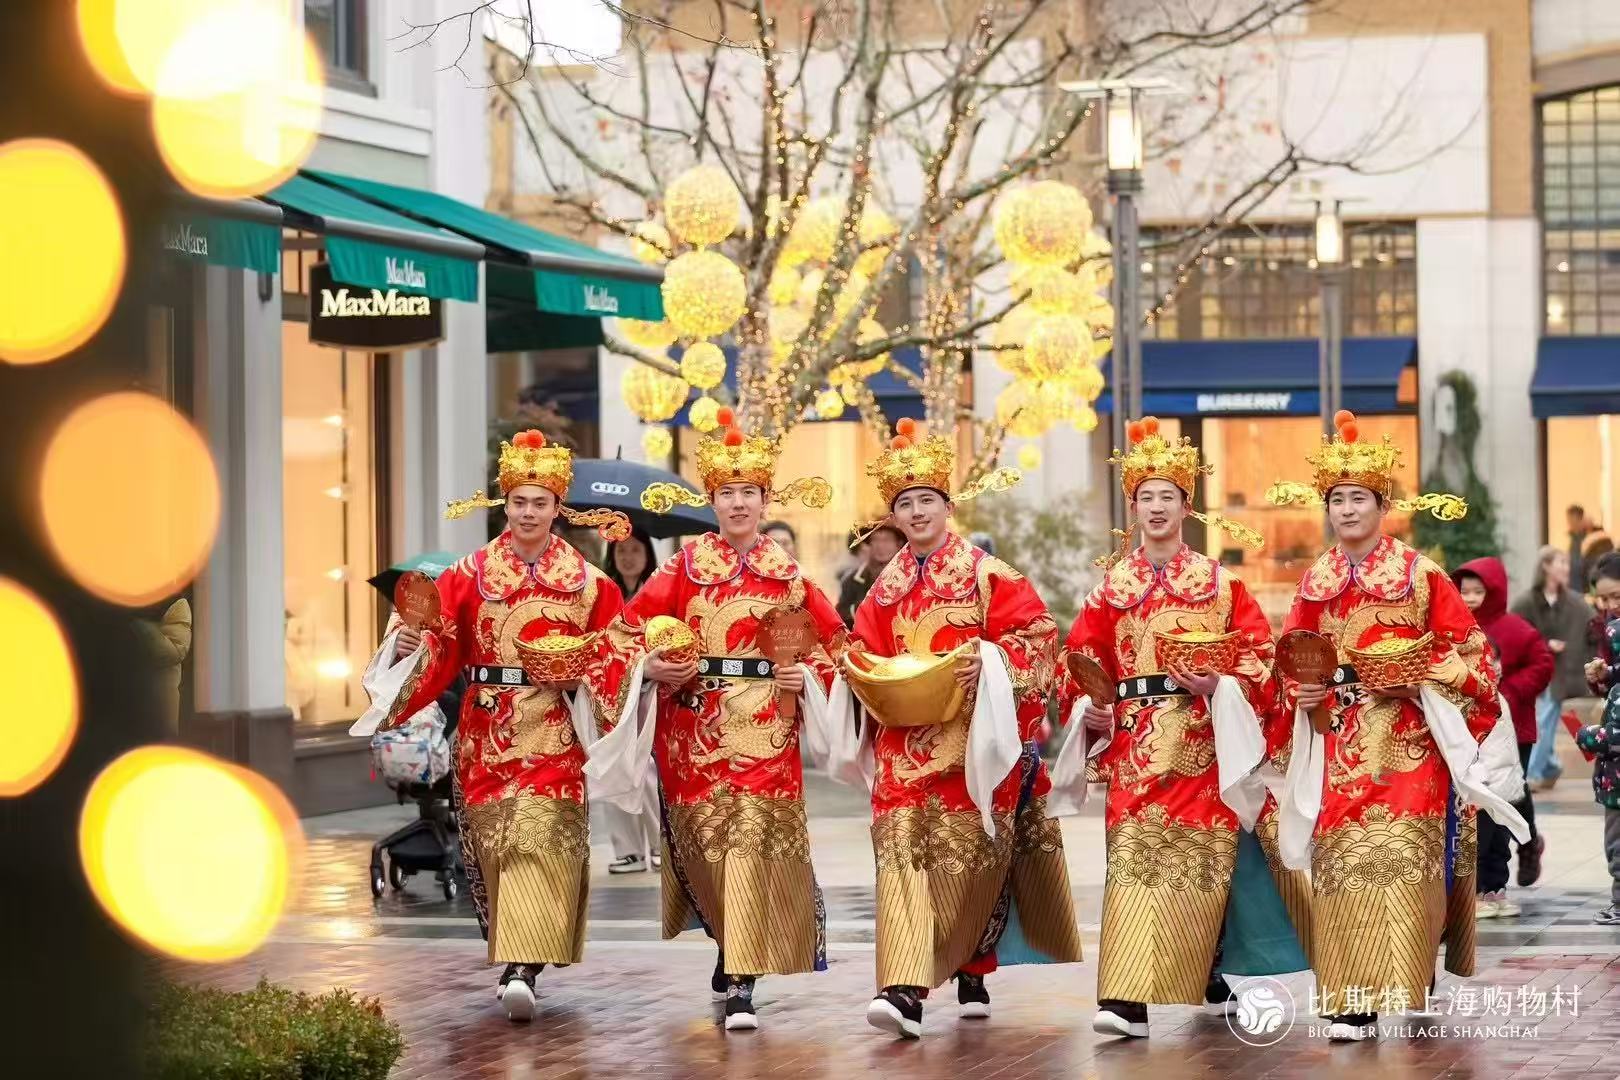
point(1129, 1018)
point(1219, 999)
point(897, 1010)
point(1352, 1027)
point(718, 982)
point(740, 1015)
point(972, 997)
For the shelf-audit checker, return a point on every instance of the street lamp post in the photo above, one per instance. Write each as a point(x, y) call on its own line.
point(1330, 280)
point(1123, 147)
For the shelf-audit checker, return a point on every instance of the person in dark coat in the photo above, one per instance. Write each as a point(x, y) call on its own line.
point(1563, 619)
point(876, 550)
point(1526, 670)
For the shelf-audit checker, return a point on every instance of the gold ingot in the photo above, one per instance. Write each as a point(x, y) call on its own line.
point(674, 637)
point(556, 657)
point(1197, 650)
point(908, 690)
point(1392, 661)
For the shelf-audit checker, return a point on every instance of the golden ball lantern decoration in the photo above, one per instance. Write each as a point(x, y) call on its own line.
point(1057, 401)
point(1009, 338)
point(875, 225)
point(784, 286)
point(704, 294)
point(1043, 224)
point(814, 236)
point(650, 243)
point(1087, 381)
point(656, 443)
point(1018, 409)
point(1084, 419)
point(829, 404)
point(704, 413)
point(1029, 457)
point(787, 325)
point(649, 335)
point(652, 395)
point(703, 365)
point(702, 206)
point(810, 283)
point(1052, 289)
point(1055, 344)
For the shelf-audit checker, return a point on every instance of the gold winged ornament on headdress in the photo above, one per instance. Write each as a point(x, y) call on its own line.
point(1345, 459)
point(913, 459)
point(730, 457)
point(526, 460)
point(1154, 457)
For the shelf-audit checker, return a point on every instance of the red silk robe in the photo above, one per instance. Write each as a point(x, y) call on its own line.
point(1171, 842)
point(518, 761)
point(943, 885)
point(1390, 833)
point(736, 848)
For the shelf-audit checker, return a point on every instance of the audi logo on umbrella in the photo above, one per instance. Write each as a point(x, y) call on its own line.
point(601, 488)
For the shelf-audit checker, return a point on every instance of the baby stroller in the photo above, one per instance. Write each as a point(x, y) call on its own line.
point(414, 760)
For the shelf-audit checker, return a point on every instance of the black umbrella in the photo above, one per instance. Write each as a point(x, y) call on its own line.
point(617, 485)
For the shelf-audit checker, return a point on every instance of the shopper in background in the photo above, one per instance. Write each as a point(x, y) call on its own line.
point(785, 537)
point(1526, 671)
point(1562, 618)
point(1579, 527)
point(634, 837)
point(876, 550)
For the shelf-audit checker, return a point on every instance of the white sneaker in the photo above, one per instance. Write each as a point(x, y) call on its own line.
point(1486, 906)
point(518, 1001)
point(1110, 1022)
point(1505, 908)
point(628, 864)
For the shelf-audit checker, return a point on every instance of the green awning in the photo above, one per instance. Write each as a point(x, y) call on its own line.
point(245, 234)
point(371, 247)
point(558, 275)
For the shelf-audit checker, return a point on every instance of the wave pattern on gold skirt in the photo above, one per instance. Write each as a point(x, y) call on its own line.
point(1380, 906)
point(939, 876)
point(746, 860)
point(1461, 927)
point(535, 857)
point(1163, 905)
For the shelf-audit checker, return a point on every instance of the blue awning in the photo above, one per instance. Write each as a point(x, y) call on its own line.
point(893, 393)
point(1274, 377)
point(1576, 376)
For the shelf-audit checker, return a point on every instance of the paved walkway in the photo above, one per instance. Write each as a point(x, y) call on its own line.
point(640, 1007)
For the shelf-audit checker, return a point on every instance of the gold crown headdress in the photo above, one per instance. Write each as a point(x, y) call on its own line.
point(527, 459)
point(912, 460)
point(731, 457)
point(1345, 459)
point(1154, 457)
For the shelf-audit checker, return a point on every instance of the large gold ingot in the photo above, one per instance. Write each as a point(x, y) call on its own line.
point(908, 690)
point(701, 205)
point(670, 634)
point(556, 658)
point(704, 294)
point(1043, 225)
point(653, 396)
point(1392, 661)
point(1197, 651)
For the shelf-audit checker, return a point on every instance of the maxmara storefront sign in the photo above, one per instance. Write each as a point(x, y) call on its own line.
point(377, 320)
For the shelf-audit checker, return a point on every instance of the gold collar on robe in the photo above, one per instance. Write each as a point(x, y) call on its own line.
point(712, 561)
point(501, 573)
point(950, 573)
point(1385, 574)
point(1189, 576)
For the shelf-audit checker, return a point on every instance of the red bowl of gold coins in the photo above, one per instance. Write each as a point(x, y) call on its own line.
point(556, 657)
point(672, 635)
point(1392, 661)
point(1197, 651)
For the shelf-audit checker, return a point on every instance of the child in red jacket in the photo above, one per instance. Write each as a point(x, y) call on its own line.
point(1526, 670)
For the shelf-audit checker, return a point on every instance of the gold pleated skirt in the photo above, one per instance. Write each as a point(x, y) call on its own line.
point(1380, 910)
point(1164, 901)
point(534, 854)
point(746, 861)
point(939, 877)
point(1459, 934)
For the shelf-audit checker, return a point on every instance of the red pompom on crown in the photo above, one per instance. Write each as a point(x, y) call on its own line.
point(899, 442)
point(733, 437)
point(1150, 424)
point(1349, 431)
point(1343, 417)
point(907, 427)
point(1135, 431)
point(724, 416)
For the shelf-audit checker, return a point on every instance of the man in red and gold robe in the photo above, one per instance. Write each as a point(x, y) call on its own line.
point(736, 848)
point(1377, 806)
point(519, 754)
point(1172, 820)
point(970, 868)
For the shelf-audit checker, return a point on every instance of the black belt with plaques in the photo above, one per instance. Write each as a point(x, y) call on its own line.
point(495, 676)
point(1148, 686)
point(735, 667)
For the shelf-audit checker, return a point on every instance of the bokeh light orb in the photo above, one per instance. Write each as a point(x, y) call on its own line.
point(65, 250)
point(191, 855)
point(703, 365)
point(1029, 457)
point(704, 413)
point(233, 121)
point(656, 443)
point(41, 711)
point(829, 404)
point(129, 498)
